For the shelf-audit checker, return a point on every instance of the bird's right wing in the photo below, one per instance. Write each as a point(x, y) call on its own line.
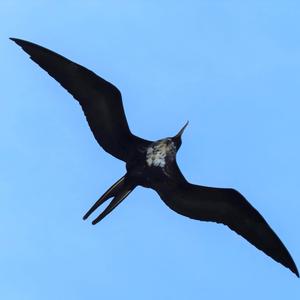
point(100, 100)
point(229, 207)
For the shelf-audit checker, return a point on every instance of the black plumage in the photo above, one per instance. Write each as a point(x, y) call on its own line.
point(153, 164)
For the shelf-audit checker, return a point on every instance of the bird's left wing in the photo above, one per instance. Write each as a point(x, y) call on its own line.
point(100, 100)
point(225, 206)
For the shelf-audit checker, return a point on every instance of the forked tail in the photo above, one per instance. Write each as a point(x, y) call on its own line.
point(118, 191)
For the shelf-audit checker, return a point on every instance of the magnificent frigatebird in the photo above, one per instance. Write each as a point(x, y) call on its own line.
point(152, 164)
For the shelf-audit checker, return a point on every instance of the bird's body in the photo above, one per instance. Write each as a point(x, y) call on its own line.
point(153, 164)
point(159, 153)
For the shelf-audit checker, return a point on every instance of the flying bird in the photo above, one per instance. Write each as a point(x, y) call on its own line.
point(152, 164)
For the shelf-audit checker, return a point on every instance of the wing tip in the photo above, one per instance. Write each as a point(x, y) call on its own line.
point(294, 269)
point(288, 262)
point(16, 40)
point(22, 43)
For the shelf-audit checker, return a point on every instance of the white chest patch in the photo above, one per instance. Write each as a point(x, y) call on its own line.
point(157, 154)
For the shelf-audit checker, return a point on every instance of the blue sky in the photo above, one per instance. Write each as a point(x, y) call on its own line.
point(232, 68)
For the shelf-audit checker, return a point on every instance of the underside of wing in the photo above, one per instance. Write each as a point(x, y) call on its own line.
point(229, 207)
point(100, 100)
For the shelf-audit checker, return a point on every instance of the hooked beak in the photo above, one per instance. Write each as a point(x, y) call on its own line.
point(179, 134)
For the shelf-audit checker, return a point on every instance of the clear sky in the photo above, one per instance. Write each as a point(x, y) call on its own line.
point(232, 68)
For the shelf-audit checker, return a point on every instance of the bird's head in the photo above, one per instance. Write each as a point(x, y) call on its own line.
point(177, 138)
point(162, 151)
